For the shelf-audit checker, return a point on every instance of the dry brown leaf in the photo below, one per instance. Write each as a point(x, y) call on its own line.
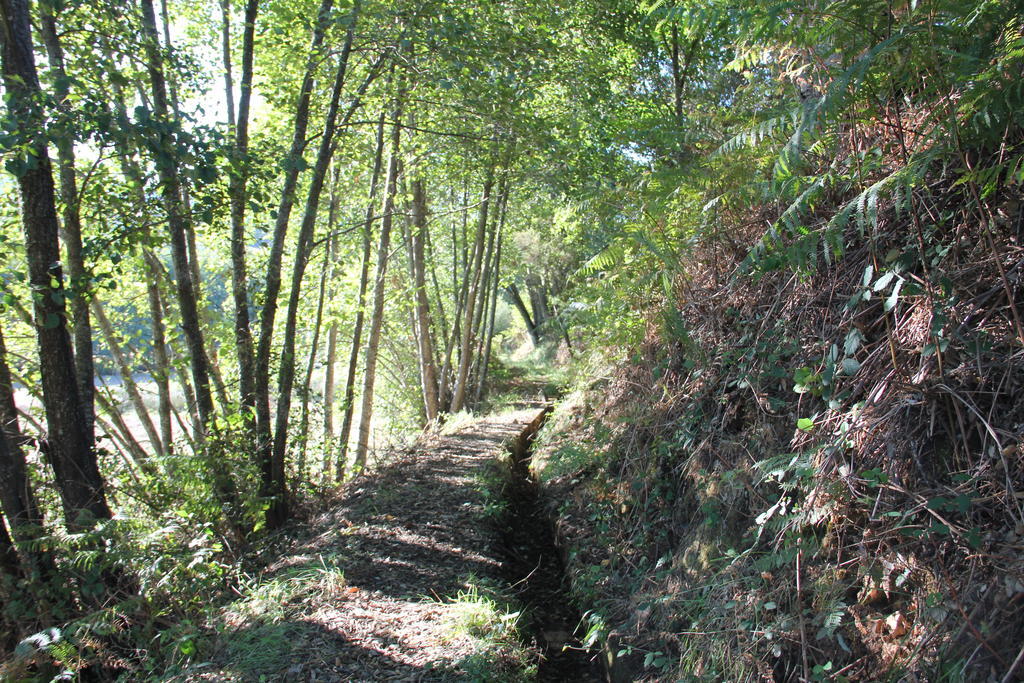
point(898, 624)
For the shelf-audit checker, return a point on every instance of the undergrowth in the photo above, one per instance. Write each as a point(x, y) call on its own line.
point(806, 463)
point(486, 614)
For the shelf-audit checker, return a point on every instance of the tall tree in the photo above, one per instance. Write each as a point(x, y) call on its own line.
point(153, 268)
point(286, 372)
point(379, 282)
point(473, 275)
point(332, 328)
point(421, 311)
point(349, 396)
point(166, 159)
point(72, 227)
point(272, 485)
point(488, 336)
point(71, 452)
point(237, 191)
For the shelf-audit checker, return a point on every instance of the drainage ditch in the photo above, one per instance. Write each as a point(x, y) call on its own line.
point(535, 569)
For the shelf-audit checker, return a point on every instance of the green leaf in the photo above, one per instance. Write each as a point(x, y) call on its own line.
point(850, 366)
point(890, 301)
point(853, 339)
point(868, 274)
point(883, 282)
point(805, 424)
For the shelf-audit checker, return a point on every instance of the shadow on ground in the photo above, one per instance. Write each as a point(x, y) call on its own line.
point(365, 593)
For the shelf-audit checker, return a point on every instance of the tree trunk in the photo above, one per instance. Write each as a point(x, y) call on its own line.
point(161, 373)
point(305, 389)
point(377, 316)
point(10, 565)
point(16, 495)
point(237, 191)
point(517, 300)
point(183, 189)
point(272, 484)
point(459, 290)
point(479, 324)
point(286, 373)
point(466, 343)
point(438, 297)
point(680, 67)
point(225, 48)
point(422, 321)
point(357, 328)
point(332, 328)
point(177, 221)
point(326, 285)
point(82, 491)
point(130, 445)
point(154, 272)
point(536, 290)
point(485, 356)
point(72, 228)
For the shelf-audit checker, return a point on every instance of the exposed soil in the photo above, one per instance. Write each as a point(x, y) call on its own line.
point(407, 539)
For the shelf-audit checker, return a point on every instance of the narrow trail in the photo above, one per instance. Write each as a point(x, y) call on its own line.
point(407, 539)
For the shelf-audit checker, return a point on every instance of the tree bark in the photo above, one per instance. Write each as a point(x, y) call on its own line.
point(357, 328)
point(459, 290)
point(332, 328)
point(517, 300)
point(305, 388)
point(326, 283)
point(183, 189)
point(16, 495)
point(237, 191)
point(78, 275)
point(480, 322)
point(271, 483)
point(82, 490)
point(154, 272)
point(377, 316)
point(161, 373)
point(10, 565)
point(536, 289)
point(225, 48)
point(177, 221)
point(286, 372)
point(421, 317)
point(466, 342)
point(488, 338)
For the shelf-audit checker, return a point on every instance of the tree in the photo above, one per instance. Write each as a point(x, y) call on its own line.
point(72, 227)
point(379, 282)
point(237, 183)
point(273, 484)
point(70, 448)
point(170, 181)
point(349, 398)
point(286, 374)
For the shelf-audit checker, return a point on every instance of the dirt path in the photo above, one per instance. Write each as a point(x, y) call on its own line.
point(369, 594)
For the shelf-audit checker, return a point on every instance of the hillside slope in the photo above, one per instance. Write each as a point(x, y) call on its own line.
point(824, 481)
point(798, 455)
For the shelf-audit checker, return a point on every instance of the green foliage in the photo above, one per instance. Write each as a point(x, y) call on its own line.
point(483, 614)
